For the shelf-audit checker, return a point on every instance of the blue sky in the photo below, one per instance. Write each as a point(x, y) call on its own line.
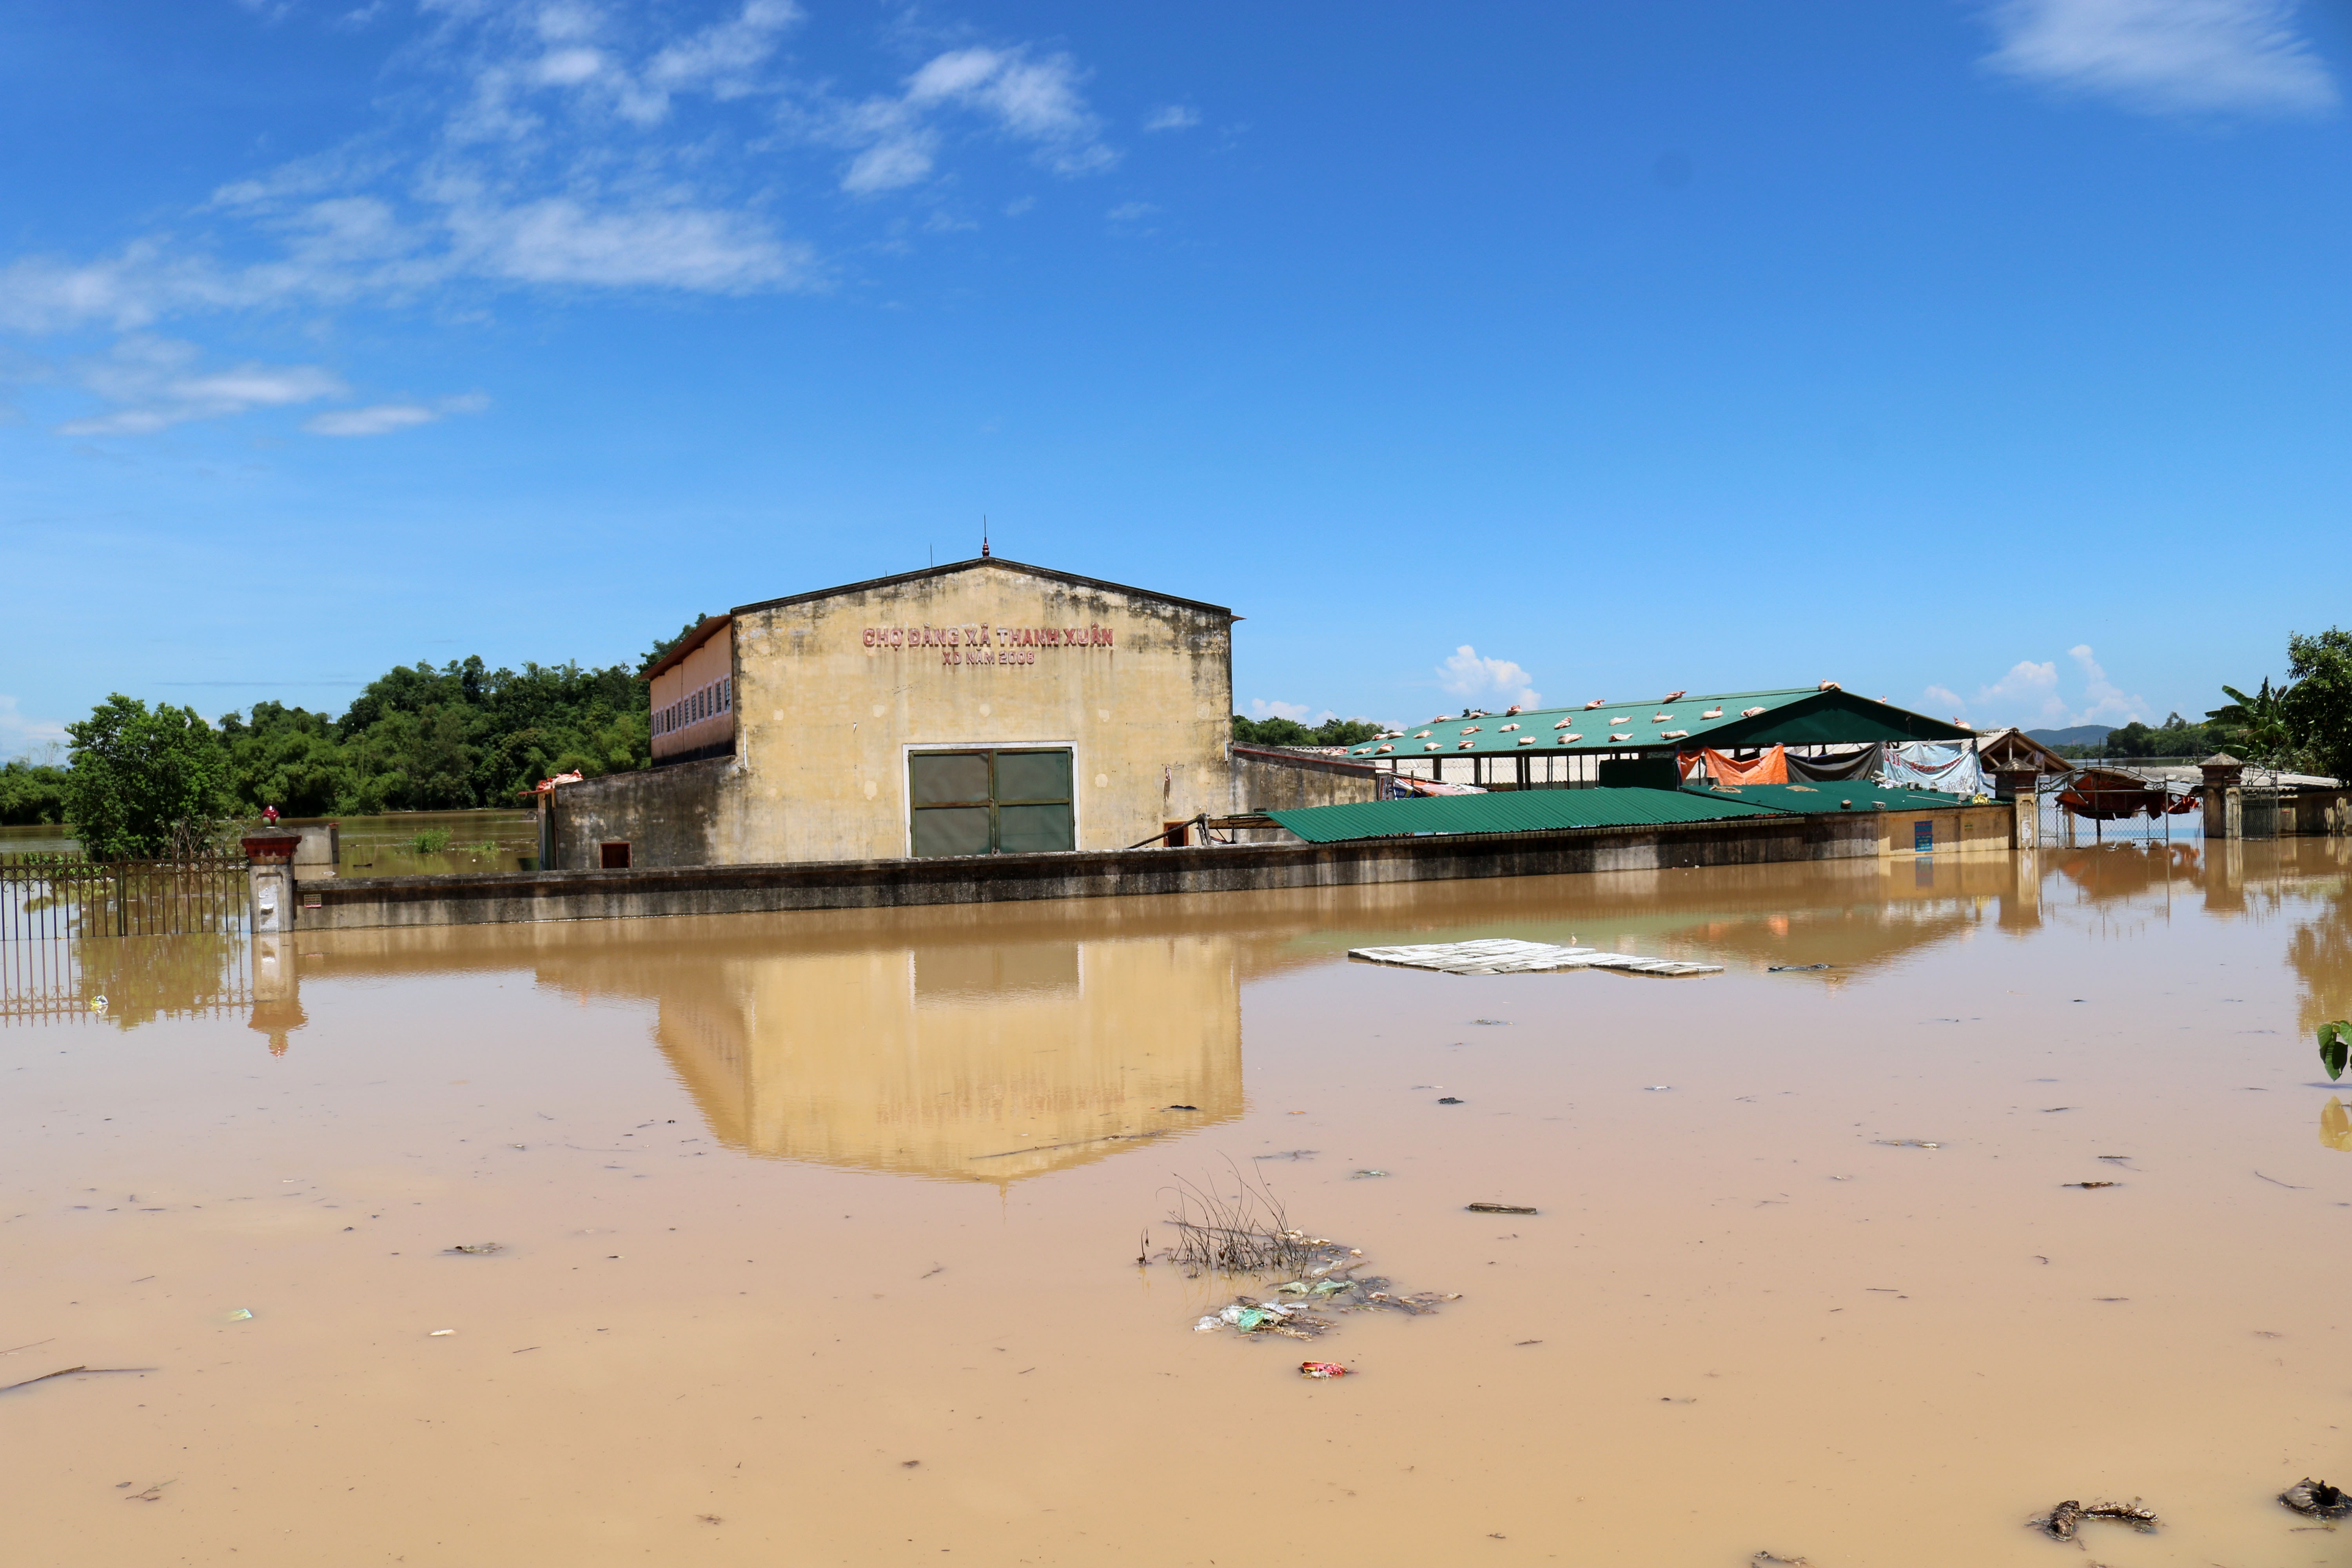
point(1990, 357)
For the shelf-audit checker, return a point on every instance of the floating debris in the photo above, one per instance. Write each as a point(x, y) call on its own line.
point(1908, 1143)
point(477, 1248)
point(2087, 1186)
point(1774, 1560)
point(1497, 1208)
point(1792, 969)
point(1360, 1175)
point(2316, 1499)
point(1508, 955)
point(241, 1315)
point(2062, 1521)
point(1180, 1107)
point(1321, 1368)
point(1448, 1100)
point(1289, 1154)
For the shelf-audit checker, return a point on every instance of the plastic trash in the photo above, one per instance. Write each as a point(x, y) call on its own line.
point(1448, 1100)
point(477, 1248)
point(439, 1333)
point(98, 1004)
point(1322, 1369)
point(1499, 1208)
point(1359, 1175)
point(2317, 1499)
point(242, 1314)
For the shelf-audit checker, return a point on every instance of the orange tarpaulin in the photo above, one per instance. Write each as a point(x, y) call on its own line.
point(1772, 768)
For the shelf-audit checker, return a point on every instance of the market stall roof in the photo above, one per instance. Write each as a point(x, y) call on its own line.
point(1510, 811)
point(1810, 716)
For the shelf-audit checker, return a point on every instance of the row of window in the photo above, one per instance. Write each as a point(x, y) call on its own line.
point(713, 700)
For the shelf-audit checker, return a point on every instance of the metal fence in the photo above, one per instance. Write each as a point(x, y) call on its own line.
point(52, 897)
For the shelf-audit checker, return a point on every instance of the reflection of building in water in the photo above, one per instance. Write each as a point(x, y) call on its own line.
point(965, 1058)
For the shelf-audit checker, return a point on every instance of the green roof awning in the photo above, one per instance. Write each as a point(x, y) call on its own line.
point(1804, 716)
point(1510, 811)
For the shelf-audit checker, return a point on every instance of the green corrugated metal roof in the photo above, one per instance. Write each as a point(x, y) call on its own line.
point(1510, 811)
point(1804, 716)
point(1820, 798)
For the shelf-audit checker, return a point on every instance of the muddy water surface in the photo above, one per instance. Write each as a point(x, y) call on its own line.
point(817, 1232)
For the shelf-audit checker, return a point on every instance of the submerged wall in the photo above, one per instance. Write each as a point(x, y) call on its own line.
point(868, 884)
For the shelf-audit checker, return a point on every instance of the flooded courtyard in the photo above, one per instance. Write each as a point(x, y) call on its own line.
point(813, 1238)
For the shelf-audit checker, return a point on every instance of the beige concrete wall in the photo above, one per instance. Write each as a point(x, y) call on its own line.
point(1958, 829)
point(834, 693)
point(701, 671)
point(1263, 781)
point(975, 1061)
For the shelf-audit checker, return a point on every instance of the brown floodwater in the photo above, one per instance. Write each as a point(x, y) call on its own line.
point(818, 1231)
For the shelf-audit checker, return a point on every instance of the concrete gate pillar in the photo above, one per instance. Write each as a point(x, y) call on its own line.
point(269, 868)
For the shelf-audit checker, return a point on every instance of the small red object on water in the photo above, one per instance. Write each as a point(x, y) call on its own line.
point(1322, 1369)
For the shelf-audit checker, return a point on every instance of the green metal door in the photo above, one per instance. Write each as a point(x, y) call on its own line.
point(991, 802)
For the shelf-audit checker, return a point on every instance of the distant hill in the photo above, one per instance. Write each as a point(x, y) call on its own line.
point(2079, 735)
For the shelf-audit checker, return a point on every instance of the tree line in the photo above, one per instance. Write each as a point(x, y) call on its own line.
point(2302, 724)
point(150, 781)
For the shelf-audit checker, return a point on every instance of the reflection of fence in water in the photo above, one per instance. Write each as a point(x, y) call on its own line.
point(52, 897)
point(57, 980)
point(66, 926)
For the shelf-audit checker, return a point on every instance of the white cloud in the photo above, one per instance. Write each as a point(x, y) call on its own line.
point(22, 735)
point(156, 383)
point(1130, 212)
point(2029, 696)
point(1032, 100)
point(575, 144)
point(1475, 679)
point(2167, 56)
point(1262, 708)
point(383, 418)
point(561, 240)
point(1173, 117)
point(2107, 702)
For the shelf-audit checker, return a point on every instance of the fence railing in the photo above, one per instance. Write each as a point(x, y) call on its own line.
point(52, 897)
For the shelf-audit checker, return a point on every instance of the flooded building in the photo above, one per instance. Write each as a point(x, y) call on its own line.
point(979, 708)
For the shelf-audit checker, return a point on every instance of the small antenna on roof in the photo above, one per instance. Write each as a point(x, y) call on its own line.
point(984, 536)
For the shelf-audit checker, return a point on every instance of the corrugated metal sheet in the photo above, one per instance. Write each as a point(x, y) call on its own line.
point(1821, 797)
point(1803, 717)
point(1511, 811)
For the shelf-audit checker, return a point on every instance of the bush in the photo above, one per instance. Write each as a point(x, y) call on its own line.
point(144, 783)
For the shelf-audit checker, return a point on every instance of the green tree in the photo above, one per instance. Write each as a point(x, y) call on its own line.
point(1278, 732)
point(2175, 737)
point(2256, 729)
point(144, 783)
point(31, 792)
point(2319, 705)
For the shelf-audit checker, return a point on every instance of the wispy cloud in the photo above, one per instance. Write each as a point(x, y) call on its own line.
point(1262, 708)
point(2029, 696)
point(1173, 117)
point(23, 735)
point(157, 383)
point(569, 145)
point(1031, 100)
point(1479, 680)
point(383, 418)
point(2167, 56)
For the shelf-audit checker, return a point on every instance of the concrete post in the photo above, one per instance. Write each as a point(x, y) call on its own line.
point(269, 868)
point(2025, 821)
point(2222, 810)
